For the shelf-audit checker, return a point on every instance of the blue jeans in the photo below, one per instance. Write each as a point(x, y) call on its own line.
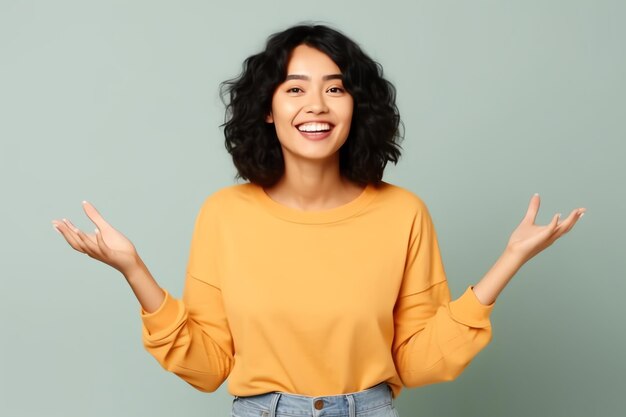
point(372, 402)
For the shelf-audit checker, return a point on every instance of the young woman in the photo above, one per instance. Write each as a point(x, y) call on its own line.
point(315, 285)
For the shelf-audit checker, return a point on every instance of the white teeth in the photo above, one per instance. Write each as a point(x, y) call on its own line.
point(313, 127)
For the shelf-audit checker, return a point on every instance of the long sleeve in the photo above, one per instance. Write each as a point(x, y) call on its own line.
point(435, 338)
point(191, 337)
point(315, 302)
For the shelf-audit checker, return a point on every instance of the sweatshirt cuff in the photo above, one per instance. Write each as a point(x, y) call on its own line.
point(163, 317)
point(468, 310)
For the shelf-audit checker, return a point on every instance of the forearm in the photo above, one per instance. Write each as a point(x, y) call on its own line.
point(146, 289)
point(494, 281)
point(437, 345)
point(191, 338)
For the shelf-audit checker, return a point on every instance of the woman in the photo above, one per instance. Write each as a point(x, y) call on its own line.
point(315, 285)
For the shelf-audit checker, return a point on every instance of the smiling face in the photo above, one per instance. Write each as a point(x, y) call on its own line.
point(311, 110)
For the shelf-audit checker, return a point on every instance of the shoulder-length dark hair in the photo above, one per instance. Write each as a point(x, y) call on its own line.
point(375, 128)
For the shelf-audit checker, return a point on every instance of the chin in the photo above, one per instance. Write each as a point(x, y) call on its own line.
point(311, 156)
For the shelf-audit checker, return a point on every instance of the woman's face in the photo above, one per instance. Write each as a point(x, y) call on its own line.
point(311, 110)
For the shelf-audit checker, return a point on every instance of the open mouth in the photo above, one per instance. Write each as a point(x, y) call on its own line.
point(312, 128)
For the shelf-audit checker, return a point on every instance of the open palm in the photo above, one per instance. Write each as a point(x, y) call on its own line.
point(108, 245)
point(528, 239)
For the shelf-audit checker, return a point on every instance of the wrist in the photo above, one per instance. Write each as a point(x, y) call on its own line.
point(134, 269)
point(494, 281)
point(512, 257)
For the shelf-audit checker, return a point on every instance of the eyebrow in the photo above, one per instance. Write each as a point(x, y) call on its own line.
point(307, 78)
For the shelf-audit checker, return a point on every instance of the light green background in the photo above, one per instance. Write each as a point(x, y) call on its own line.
point(117, 103)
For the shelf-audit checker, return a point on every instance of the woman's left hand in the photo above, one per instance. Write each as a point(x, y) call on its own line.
point(529, 239)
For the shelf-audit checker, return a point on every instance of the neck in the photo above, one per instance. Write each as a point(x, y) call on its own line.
point(313, 186)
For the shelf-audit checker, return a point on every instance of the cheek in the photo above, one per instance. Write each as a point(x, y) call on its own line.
point(282, 124)
point(348, 109)
point(283, 110)
point(348, 119)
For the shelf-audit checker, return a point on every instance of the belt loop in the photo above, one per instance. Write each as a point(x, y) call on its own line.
point(351, 405)
point(274, 404)
point(390, 394)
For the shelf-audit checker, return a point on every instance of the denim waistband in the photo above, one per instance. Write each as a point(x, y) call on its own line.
point(349, 404)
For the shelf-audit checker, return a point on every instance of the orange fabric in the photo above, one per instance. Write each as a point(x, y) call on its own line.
point(315, 302)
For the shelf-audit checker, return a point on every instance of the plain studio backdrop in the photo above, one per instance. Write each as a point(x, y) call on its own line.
point(117, 103)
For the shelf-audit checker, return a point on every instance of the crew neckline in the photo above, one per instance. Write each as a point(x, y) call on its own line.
point(317, 216)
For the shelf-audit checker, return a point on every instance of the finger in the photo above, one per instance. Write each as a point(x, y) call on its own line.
point(553, 225)
point(69, 235)
point(103, 246)
point(575, 216)
point(80, 238)
point(73, 229)
point(94, 215)
point(533, 208)
point(564, 226)
point(549, 231)
point(55, 226)
point(90, 246)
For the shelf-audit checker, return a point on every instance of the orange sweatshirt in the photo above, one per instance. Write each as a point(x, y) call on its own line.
point(315, 302)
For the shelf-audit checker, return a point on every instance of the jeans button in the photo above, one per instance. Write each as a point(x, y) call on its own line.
point(319, 404)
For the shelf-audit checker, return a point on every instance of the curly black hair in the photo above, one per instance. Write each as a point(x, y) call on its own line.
point(375, 129)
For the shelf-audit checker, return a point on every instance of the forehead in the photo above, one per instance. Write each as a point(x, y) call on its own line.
point(306, 60)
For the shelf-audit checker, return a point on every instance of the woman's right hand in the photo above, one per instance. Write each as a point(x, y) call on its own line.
point(106, 245)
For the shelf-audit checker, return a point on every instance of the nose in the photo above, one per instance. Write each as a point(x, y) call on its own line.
point(317, 103)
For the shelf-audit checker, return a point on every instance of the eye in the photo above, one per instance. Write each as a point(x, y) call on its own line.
point(336, 90)
point(291, 90)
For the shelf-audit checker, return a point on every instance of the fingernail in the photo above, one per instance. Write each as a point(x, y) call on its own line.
point(57, 229)
point(536, 194)
point(84, 202)
point(558, 215)
point(581, 214)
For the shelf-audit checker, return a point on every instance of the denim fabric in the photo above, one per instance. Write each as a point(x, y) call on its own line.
point(372, 402)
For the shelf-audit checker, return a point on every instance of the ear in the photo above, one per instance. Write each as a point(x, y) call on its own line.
point(269, 118)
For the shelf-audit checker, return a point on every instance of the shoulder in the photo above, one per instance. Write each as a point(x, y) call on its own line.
point(401, 198)
point(231, 192)
point(228, 197)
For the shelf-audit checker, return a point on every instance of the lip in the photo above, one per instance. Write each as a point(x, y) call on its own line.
point(316, 135)
point(316, 121)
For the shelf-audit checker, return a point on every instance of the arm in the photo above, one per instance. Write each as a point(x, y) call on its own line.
point(190, 336)
point(435, 338)
point(144, 286)
point(527, 240)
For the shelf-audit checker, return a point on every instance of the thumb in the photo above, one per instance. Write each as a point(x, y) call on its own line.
point(555, 222)
point(100, 240)
point(533, 208)
point(94, 215)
